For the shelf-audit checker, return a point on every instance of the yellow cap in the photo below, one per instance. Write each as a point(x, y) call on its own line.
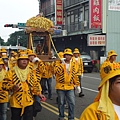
point(111, 53)
point(1, 61)
point(23, 55)
point(12, 52)
point(108, 71)
point(3, 50)
point(4, 56)
point(60, 54)
point(76, 51)
point(68, 51)
point(15, 54)
point(31, 53)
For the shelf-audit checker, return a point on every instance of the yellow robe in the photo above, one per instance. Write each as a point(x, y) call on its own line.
point(78, 65)
point(3, 93)
point(48, 70)
point(65, 81)
point(91, 113)
point(22, 97)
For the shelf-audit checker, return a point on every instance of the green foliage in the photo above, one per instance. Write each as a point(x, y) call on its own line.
point(18, 37)
point(2, 41)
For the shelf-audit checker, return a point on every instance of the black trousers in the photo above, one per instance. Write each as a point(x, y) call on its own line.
point(27, 115)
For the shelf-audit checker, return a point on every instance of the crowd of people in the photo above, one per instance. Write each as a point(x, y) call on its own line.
point(24, 78)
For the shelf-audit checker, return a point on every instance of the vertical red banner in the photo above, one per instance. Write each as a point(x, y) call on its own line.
point(59, 12)
point(95, 13)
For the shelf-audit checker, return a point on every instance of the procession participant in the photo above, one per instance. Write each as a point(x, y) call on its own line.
point(79, 68)
point(111, 58)
point(66, 78)
point(3, 93)
point(13, 59)
point(3, 51)
point(38, 69)
point(6, 62)
point(107, 102)
point(37, 65)
point(47, 79)
point(23, 83)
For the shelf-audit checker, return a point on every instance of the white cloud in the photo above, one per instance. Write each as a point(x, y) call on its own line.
point(14, 11)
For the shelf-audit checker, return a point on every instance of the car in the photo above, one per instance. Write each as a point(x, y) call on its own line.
point(88, 63)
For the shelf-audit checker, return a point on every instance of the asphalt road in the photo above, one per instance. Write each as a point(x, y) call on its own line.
point(90, 82)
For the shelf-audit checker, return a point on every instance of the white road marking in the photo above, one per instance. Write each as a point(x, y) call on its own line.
point(91, 77)
point(90, 89)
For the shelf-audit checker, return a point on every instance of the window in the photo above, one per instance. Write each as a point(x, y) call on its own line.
point(86, 12)
point(72, 18)
point(80, 14)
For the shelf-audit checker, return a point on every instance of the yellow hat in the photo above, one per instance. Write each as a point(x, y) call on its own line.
point(23, 55)
point(68, 51)
point(3, 50)
point(108, 71)
point(76, 51)
point(31, 53)
point(60, 54)
point(4, 56)
point(15, 54)
point(111, 53)
point(1, 61)
point(12, 52)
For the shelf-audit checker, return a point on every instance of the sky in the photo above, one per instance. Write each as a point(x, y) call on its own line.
point(15, 11)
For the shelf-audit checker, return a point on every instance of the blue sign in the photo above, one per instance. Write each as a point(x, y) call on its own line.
point(21, 25)
point(57, 32)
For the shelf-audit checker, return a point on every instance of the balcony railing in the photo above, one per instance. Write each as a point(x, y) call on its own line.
point(74, 27)
point(68, 3)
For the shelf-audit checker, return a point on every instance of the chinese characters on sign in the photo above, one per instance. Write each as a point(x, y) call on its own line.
point(114, 5)
point(59, 12)
point(95, 14)
point(96, 40)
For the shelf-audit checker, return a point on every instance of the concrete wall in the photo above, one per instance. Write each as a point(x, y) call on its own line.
point(113, 31)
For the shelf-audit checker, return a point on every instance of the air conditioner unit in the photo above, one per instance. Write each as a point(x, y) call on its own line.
point(64, 32)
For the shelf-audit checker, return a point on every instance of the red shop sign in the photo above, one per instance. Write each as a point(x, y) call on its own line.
point(95, 14)
point(59, 12)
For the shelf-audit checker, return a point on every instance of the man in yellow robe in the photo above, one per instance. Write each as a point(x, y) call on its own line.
point(66, 79)
point(79, 68)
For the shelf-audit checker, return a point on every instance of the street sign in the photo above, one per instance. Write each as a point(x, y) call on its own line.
point(21, 25)
point(57, 32)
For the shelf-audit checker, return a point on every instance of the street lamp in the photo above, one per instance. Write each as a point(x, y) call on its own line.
point(9, 51)
point(17, 45)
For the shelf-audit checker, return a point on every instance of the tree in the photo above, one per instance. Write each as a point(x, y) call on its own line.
point(2, 41)
point(18, 37)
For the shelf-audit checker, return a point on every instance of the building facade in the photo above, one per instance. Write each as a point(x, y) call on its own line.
point(75, 26)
